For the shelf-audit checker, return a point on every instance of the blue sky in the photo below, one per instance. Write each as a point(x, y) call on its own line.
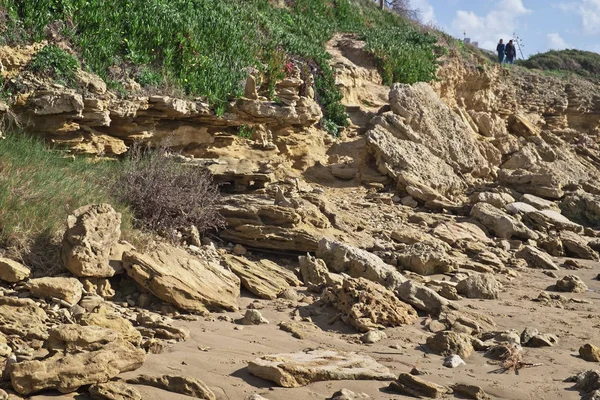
point(541, 24)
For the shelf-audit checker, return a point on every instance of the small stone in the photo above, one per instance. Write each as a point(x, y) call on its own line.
point(527, 334)
point(346, 394)
point(449, 343)
point(373, 337)
point(470, 391)
point(252, 317)
point(550, 274)
point(453, 361)
point(412, 386)
point(436, 326)
point(409, 201)
point(542, 340)
point(289, 294)
point(144, 300)
point(589, 352)
point(239, 250)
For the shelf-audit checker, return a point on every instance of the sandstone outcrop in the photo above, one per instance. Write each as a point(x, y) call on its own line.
point(69, 290)
point(114, 391)
point(501, 224)
point(22, 317)
point(300, 369)
point(186, 281)
point(177, 384)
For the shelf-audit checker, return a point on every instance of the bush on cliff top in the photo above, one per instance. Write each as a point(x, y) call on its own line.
point(583, 63)
point(206, 46)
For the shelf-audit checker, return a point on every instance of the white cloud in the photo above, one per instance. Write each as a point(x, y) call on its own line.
point(497, 24)
point(556, 42)
point(590, 16)
point(426, 11)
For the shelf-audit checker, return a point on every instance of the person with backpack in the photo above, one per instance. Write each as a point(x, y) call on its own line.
point(511, 52)
point(500, 49)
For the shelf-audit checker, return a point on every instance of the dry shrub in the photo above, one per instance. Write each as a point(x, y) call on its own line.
point(167, 196)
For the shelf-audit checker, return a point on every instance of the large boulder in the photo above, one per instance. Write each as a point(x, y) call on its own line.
point(263, 278)
point(500, 223)
point(571, 283)
point(69, 290)
point(426, 258)
point(536, 258)
point(91, 233)
point(367, 305)
point(576, 246)
point(188, 282)
point(358, 263)
point(188, 386)
point(480, 286)
point(23, 318)
point(300, 369)
point(582, 207)
point(12, 271)
point(67, 372)
point(422, 298)
point(447, 343)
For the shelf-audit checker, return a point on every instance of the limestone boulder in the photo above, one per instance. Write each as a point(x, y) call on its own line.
point(12, 271)
point(22, 317)
point(550, 219)
point(589, 352)
point(188, 282)
point(263, 278)
point(422, 298)
point(576, 246)
point(91, 233)
point(313, 271)
point(367, 305)
point(67, 289)
point(185, 385)
point(571, 283)
point(426, 258)
point(343, 258)
point(67, 372)
point(500, 223)
point(447, 343)
point(456, 232)
point(105, 317)
point(582, 207)
point(479, 286)
point(78, 338)
point(498, 200)
point(413, 386)
point(300, 369)
point(114, 391)
point(536, 258)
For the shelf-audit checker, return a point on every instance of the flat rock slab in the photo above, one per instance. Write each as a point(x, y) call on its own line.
point(303, 368)
point(176, 384)
point(12, 271)
point(189, 283)
point(417, 387)
point(263, 278)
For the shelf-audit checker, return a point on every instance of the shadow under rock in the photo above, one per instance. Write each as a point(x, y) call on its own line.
point(326, 318)
point(252, 380)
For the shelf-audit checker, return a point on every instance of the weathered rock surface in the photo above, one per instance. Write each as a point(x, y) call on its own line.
point(426, 259)
point(448, 343)
point(187, 282)
point(413, 386)
point(367, 305)
point(22, 317)
point(576, 246)
point(358, 263)
point(501, 224)
point(300, 369)
point(91, 233)
point(571, 283)
point(422, 298)
point(589, 352)
point(177, 384)
point(264, 278)
point(77, 338)
point(536, 258)
point(479, 286)
point(456, 232)
point(346, 394)
point(252, 317)
point(67, 289)
point(313, 271)
point(12, 271)
point(582, 207)
point(470, 391)
point(102, 316)
point(114, 391)
point(68, 372)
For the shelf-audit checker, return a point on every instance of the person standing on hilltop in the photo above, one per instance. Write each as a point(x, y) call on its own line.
point(510, 52)
point(500, 49)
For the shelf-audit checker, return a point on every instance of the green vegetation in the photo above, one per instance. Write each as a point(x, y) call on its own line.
point(205, 47)
point(583, 63)
point(40, 188)
point(245, 132)
point(53, 62)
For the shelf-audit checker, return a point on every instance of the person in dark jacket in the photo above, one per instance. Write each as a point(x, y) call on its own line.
point(500, 49)
point(511, 52)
